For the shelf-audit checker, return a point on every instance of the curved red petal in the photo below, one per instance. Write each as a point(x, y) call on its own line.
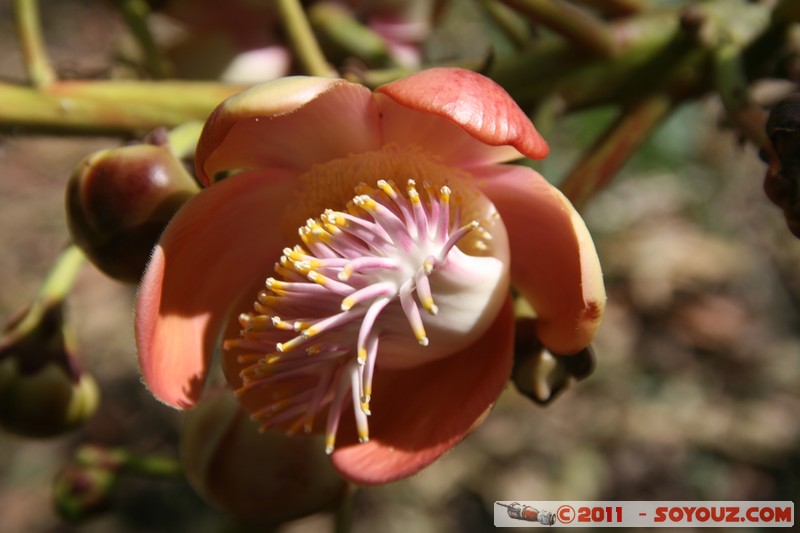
point(288, 123)
point(554, 263)
point(223, 241)
point(462, 115)
point(418, 414)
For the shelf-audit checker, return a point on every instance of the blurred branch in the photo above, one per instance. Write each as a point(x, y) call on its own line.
point(29, 27)
point(135, 13)
point(336, 24)
point(731, 85)
point(183, 139)
point(647, 46)
point(613, 149)
point(616, 7)
point(301, 37)
point(586, 32)
point(109, 106)
point(508, 21)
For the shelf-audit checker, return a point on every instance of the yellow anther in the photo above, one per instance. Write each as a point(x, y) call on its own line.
point(347, 302)
point(309, 332)
point(275, 284)
point(365, 202)
point(330, 439)
point(338, 219)
point(429, 306)
point(419, 333)
point(388, 188)
point(364, 189)
point(345, 273)
point(281, 324)
point(361, 358)
point(288, 346)
point(365, 408)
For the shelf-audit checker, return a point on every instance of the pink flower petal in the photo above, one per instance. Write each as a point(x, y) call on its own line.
point(418, 414)
point(553, 260)
point(288, 123)
point(223, 241)
point(463, 116)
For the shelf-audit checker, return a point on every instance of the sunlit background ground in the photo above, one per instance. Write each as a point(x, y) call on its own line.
point(696, 393)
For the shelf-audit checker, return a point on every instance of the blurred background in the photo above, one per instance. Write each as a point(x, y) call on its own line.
point(696, 390)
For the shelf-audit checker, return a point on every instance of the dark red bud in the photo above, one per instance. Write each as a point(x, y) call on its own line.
point(120, 200)
point(782, 181)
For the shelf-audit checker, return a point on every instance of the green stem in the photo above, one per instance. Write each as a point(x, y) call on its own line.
point(153, 466)
point(34, 51)
point(123, 460)
point(183, 139)
point(302, 39)
point(127, 107)
point(336, 25)
point(54, 288)
point(613, 149)
point(135, 13)
point(508, 21)
point(585, 31)
point(61, 278)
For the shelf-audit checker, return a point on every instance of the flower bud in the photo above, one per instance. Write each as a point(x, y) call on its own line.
point(258, 477)
point(540, 374)
point(43, 392)
point(83, 490)
point(118, 202)
point(782, 182)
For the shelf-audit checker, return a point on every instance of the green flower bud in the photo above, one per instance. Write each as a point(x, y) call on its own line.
point(43, 392)
point(83, 490)
point(258, 477)
point(118, 202)
point(540, 374)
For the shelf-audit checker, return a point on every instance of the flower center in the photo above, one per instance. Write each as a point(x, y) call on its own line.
point(385, 283)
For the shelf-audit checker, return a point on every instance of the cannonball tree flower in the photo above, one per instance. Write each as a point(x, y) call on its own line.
point(353, 254)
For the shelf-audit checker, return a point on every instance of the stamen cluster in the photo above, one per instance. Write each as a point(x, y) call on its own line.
point(316, 329)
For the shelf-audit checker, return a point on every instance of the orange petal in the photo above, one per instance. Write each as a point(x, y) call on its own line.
point(418, 414)
point(553, 260)
point(223, 241)
point(288, 123)
point(463, 116)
